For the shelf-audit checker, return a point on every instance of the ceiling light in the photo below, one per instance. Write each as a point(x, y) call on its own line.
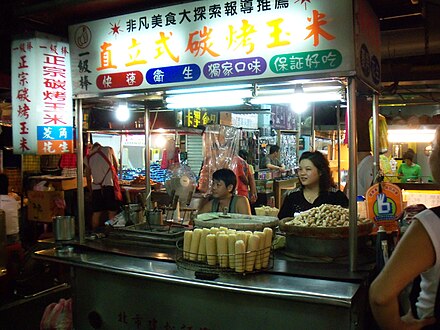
point(299, 102)
point(122, 112)
point(208, 89)
point(208, 99)
point(288, 98)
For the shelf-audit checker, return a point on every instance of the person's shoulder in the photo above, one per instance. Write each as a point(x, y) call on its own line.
point(334, 190)
point(294, 192)
point(206, 206)
point(107, 149)
point(241, 199)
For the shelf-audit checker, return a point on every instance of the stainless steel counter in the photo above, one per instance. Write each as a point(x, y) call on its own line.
point(116, 290)
point(418, 186)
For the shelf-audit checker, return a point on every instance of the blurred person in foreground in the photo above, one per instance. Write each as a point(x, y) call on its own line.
point(317, 186)
point(414, 258)
point(223, 194)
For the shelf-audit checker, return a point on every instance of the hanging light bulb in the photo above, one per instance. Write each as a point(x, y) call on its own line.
point(299, 102)
point(122, 112)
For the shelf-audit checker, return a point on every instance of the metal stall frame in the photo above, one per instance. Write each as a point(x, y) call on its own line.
point(80, 164)
point(349, 74)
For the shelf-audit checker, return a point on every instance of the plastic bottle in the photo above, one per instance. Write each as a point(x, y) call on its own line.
point(361, 207)
point(393, 164)
point(381, 248)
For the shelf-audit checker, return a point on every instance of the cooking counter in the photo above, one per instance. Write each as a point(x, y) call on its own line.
point(155, 289)
point(418, 186)
point(427, 194)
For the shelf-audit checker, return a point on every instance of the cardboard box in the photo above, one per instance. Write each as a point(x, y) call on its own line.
point(226, 118)
point(44, 205)
point(67, 184)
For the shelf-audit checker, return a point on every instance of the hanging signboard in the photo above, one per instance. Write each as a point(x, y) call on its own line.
point(42, 111)
point(368, 46)
point(215, 42)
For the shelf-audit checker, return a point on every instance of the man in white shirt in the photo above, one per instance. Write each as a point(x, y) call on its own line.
point(100, 166)
point(364, 172)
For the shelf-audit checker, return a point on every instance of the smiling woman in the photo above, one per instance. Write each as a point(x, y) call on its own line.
point(317, 186)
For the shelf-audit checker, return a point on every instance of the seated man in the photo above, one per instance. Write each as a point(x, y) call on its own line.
point(223, 195)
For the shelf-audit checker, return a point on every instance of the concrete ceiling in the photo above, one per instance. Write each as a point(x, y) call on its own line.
point(410, 32)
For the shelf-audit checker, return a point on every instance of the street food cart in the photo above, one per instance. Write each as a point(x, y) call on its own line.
point(227, 54)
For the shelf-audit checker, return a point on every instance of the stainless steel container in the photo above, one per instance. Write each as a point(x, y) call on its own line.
point(154, 217)
point(64, 228)
point(133, 213)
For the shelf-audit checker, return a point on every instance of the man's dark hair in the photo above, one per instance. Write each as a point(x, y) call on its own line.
point(4, 184)
point(243, 154)
point(273, 149)
point(227, 176)
point(409, 154)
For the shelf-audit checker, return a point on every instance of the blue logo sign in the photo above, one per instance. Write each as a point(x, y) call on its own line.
point(173, 74)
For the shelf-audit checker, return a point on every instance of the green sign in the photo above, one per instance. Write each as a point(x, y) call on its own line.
point(306, 61)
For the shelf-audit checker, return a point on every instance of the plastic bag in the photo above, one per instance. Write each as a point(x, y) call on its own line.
point(57, 316)
point(220, 145)
point(382, 134)
point(118, 221)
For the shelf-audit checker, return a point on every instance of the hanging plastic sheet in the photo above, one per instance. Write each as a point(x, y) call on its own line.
point(220, 146)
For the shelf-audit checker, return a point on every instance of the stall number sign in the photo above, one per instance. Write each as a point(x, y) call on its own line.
point(384, 207)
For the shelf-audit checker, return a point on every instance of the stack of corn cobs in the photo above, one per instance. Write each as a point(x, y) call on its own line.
point(242, 251)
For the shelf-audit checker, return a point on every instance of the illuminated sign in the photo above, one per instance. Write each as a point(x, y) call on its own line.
point(42, 114)
point(207, 42)
point(198, 117)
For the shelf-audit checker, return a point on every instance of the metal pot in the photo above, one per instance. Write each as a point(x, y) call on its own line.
point(64, 228)
point(154, 217)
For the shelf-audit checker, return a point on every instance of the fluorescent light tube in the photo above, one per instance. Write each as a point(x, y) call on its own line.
point(411, 135)
point(208, 99)
point(289, 98)
point(208, 89)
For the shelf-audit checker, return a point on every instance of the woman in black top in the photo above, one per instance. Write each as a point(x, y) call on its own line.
point(317, 186)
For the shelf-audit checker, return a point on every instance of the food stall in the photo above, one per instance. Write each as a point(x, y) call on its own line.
point(332, 52)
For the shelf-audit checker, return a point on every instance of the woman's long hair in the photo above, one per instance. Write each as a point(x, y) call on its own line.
point(320, 161)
